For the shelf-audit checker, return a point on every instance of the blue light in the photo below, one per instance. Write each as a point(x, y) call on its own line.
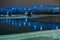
point(6, 21)
point(57, 28)
point(9, 21)
point(19, 24)
point(7, 13)
point(40, 28)
point(35, 27)
point(13, 9)
point(57, 9)
point(26, 19)
point(13, 23)
point(39, 8)
point(24, 23)
point(22, 9)
point(2, 9)
point(1, 21)
point(29, 24)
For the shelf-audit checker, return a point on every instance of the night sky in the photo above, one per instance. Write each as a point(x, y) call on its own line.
point(26, 3)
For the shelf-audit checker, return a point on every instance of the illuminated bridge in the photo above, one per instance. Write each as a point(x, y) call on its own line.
point(36, 18)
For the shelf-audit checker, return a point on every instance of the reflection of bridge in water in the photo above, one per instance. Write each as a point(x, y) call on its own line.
point(37, 22)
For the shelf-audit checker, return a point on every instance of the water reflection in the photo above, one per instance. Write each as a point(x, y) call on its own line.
point(40, 26)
